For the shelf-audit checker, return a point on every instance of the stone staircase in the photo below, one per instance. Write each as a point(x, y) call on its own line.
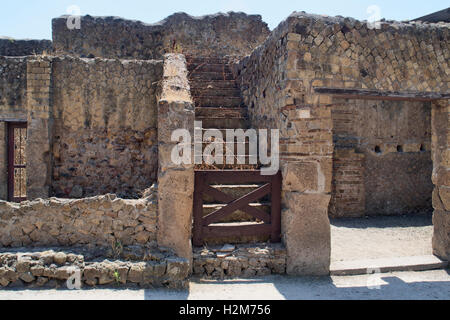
point(219, 105)
point(218, 102)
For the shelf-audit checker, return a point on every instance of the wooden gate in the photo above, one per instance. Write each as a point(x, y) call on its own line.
point(208, 226)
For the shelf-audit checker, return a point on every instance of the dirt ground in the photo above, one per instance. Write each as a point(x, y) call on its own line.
point(381, 237)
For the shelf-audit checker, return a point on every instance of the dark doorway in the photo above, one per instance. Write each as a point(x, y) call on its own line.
point(17, 163)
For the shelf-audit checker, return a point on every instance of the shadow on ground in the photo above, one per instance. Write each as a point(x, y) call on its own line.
point(404, 221)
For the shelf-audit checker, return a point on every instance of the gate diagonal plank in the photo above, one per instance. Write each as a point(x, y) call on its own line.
point(237, 205)
point(225, 198)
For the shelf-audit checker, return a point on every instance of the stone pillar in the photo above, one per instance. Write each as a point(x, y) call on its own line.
point(3, 163)
point(307, 150)
point(440, 124)
point(39, 127)
point(307, 191)
point(175, 182)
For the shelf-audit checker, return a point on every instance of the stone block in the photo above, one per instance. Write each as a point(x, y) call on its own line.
point(306, 233)
point(300, 177)
point(175, 200)
point(441, 235)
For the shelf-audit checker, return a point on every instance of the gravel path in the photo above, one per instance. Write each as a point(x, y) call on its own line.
point(428, 285)
point(381, 237)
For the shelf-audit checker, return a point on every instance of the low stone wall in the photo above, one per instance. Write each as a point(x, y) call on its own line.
point(13, 47)
point(245, 261)
point(58, 268)
point(104, 220)
point(112, 37)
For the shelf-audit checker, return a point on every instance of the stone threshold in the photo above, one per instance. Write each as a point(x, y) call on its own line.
point(241, 260)
point(385, 265)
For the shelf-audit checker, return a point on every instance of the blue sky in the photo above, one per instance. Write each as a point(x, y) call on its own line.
point(32, 18)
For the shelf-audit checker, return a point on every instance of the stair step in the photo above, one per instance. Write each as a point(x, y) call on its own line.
point(223, 123)
point(213, 84)
point(208, 67)
point(211, 101)
point(218, 112)
point(215, 92)
point(211, 76)
point(210, 60)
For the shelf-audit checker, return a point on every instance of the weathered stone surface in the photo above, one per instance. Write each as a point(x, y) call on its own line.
point(306, 233)
point(169, 270)
point(224, 33)
point(57, 222)
point(175, 183)
point(441, 235)
point(175, 211)
point(247, 260)
point(104, 142)
point(17, 47)
point(300, 176)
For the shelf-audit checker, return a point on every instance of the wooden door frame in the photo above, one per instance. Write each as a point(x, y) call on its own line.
point(10, 152)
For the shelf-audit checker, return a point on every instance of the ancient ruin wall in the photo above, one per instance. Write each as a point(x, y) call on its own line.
point(13, 104)
point(382, 160)
point(269, 82)
point(315, 51)
point(104, 126)
point(103, 221)
point(13, 86)
point(112, 37)
point(13, 47)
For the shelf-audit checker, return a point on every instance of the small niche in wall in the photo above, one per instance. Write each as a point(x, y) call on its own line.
point(377, 149)
point(399, 148)
point(422, 148)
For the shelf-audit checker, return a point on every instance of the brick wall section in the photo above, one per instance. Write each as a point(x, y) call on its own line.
point(397, 178)
point(348, 195)
point(13, 47)
point(113, 37)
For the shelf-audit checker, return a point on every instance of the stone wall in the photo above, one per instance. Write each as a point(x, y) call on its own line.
point(105, 126)
point(13, 47)
point(78, 267)
point(13, 107)
point(278, 80)
point(270, 83)
point(103, 221)
point(245, 261)
point(13, 85)
point(112, 37)
point(382, 159)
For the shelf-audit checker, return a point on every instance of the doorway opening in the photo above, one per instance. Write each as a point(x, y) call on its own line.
point(17, 161)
